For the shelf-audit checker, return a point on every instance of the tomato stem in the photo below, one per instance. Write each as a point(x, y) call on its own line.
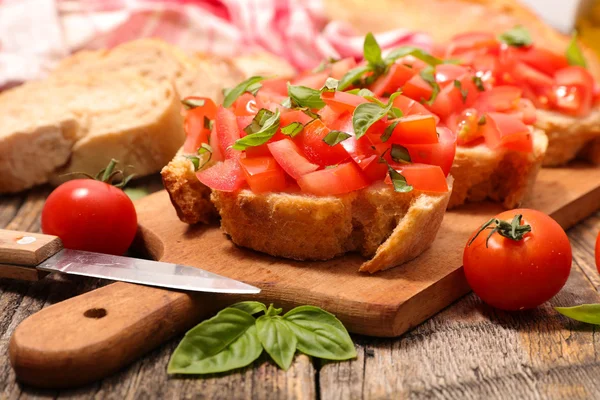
point(511, 230)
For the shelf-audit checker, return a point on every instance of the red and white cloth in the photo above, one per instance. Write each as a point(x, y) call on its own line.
point(36, 34)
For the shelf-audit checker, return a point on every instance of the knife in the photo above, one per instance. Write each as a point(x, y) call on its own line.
point(30, 256)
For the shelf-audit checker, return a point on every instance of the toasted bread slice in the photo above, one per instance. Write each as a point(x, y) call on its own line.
point(504, 176)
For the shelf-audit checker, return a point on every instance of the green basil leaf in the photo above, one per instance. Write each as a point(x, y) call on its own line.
point(287, 102)
point(574, 53)
point(371, 50)
point(205, 148)
point(251, 307)
point(365, 93)
point(516, 37)
point(272, 311)
point(589, 313)
point(269, 127)
point(479, 83)
point(412, 51)
point(335, 137)
point(387, 133)
point(248, 85)
point(195, 160)
point(400, 154)
point(399, 182)
point(277, 339)
point(305, 97)
point(367, 114)
point(331, 85)
point(320, 334)
point(428, 75)
point(226, 341)
point(463, 92)
point(352, 76)
point(395, 112)
point(293, 129)
point(258, 121)
point(482, 120)
point(192, 103)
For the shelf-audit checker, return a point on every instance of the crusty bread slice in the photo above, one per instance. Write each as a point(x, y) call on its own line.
point(78, 123)
point(503, 176)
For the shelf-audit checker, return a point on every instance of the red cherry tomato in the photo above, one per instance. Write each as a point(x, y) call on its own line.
point(90, 215)
point(518, 274)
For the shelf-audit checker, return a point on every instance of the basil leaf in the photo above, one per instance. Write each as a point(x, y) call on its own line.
point(400, 154)
point(306, 97)
point(399, 182)
point(335, 137)
point(482, 120)
point(352, 76)
point(428, 75)
point(331, 85)
point(192, 103)
point(224, 342)
point(371, 50)
point(479, 83)
point(412, 51)
point(277, 339)
point(589, 313)
point(205, 148)
point(292, 129)
point(268, 129)
point(574, 53)
point(388, 131)
point(516, 37)
point(320, 334)
point(195, 160)
point(272, 311)
point(249, 85)
point(367, 114)
point(258, 121)
point(287, 102)
point(463, 92)
point(251, 307)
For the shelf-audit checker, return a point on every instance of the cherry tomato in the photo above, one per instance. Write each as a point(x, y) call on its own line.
point(90, 215)
point(522, 271)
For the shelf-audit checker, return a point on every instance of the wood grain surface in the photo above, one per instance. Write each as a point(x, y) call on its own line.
point(468, 351)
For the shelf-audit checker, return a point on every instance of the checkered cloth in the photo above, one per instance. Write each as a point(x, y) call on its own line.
point(35, 34)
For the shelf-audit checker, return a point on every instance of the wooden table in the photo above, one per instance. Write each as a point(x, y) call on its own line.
point(468, 351)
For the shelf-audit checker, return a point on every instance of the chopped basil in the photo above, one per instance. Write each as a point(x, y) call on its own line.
point(463, 92)
point(205, 148)
point(400, 154)
point(268, 128)
point(258, 121)
point(574, 53)
point(387, 133)
point(428, 75)
point(479, 83)
point(196, 160)
point(292, 129)
point(191, 103)
point(399, 182)
point(367, 114)
point(516, 37)
point(482, 120)
point(251, 85)
point(335, 137)
point(208, 124)
point(412, 51)
point(372, 50)
point(331, 85)
point(352, 76)
point(287, 102)
point(303, 96)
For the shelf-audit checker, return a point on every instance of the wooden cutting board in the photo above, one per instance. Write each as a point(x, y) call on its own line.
point(47, 350)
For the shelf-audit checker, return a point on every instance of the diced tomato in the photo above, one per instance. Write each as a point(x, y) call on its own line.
point(341, 67)
point(263, 174)
point(465, 125)
point(499, 98)
point(227, 132)
point(417, 89)
point(412, 107)
point(415, 129)
point(502, 130)
point(374, 170)
point(311, 80)
point(226, 176)
point(243, 122)
point(396, 77)
point(330, 117)
point(289, 157)
point(575, 76)
point(276, 86)
point(449, 72)
point(257, 151)
point(288, 117)
point(543, 60)
point(246, 105)
point(315, 149)
point(344, 178)
point(448, 100)
point(342, 101)
point(525, 111)
point(194, 124)
point(472, 41)
point(269, 100)
point(487, 65)
point(531, 76)
point(575, 91)
point(428, 178)
point(440, 154)
point(217, 155)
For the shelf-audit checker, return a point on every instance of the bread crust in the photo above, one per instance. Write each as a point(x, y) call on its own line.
point(377, 222)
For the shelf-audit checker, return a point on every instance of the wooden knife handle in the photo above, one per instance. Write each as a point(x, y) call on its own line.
point(93, 335)
point(20, 251)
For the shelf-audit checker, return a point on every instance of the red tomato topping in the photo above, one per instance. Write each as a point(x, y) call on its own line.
point(389, 83)
point(429, 178)
point(415, 129)
point(344, 178)
point(227, 132)
point(289, 156)
point(226, 176)
point(440, 154)
point(263, 174)
point(315, 149)
point(194, 124)
point(506, 131)
point(342, 101)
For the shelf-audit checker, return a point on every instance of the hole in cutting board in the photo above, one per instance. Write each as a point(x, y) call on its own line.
point(96, 313)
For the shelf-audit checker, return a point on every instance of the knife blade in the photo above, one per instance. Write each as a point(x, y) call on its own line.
point(28, 252)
